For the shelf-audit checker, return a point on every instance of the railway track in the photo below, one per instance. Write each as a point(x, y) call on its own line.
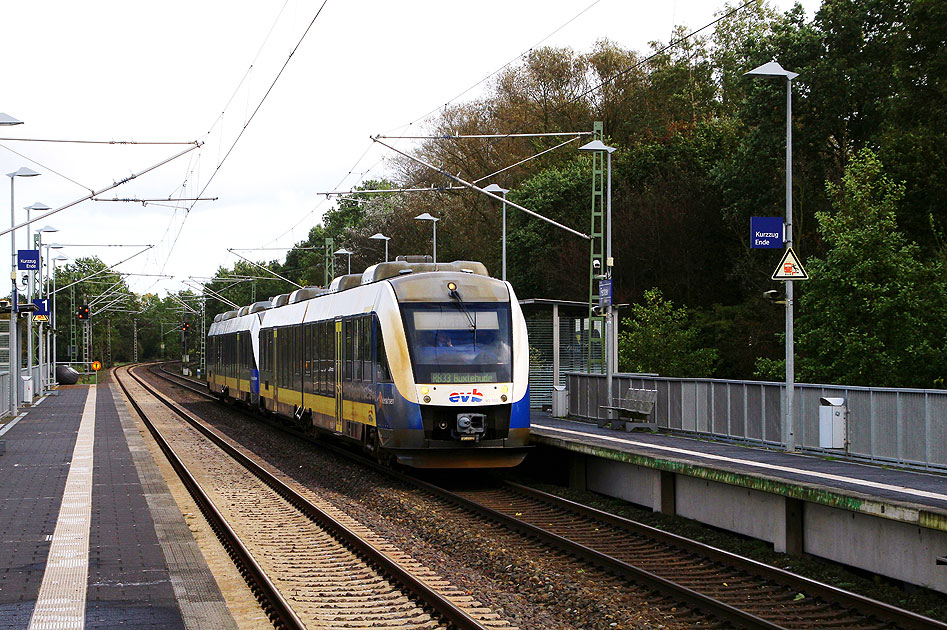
point(309, 565)
point(764, 596)
point(734, 590)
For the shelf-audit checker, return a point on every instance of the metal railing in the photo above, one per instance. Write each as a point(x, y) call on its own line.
point(4, 394)
point(902, 426)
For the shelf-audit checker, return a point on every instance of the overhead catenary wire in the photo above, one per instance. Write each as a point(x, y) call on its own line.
point(44, 167)
point(299, 286)
point(485, 192)
point(109, 268)
point(487, 135)
point(99, 192)
point(92, 141)
point(247, 124)
point(532, 157)
point(105, 245)
point(352, 171)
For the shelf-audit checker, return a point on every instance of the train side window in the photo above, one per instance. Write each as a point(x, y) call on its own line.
point(367, 348)
point(323, 357)
point(307, 351)
point(357, 349)
point(347, 349)
point(314, 353)
point(330, 357)
point(297, 352)
point(383, 372)
point(317, 357)
point(281, 356)
point(326, 355)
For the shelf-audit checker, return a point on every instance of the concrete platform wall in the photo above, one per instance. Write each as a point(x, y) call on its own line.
point(884, 546)
point(897, 550)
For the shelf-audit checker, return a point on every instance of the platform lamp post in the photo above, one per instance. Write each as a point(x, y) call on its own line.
point(426, 216)
point(495, 189)
point(7, 121)
point(30, 244)
point(55, 261)
point(45, 335)
point(381, 237)
point(42, 290)
point(344, 252)
point(23, 171)
point(773, 69)
point(598, 145)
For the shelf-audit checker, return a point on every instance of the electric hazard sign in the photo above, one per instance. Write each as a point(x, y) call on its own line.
point(790, 268)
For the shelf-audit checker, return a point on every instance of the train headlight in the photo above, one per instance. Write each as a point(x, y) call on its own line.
point(504, 389)
point(503, 398)
point(424, 390)
point(426, 399)
point(451, 286)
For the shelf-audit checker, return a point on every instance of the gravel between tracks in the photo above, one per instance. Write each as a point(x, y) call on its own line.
point(520, 580)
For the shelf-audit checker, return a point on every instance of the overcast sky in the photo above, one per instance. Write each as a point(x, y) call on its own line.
point(175, 71)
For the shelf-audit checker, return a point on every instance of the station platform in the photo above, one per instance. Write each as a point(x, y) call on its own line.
point(90, 536)
point(889, 521)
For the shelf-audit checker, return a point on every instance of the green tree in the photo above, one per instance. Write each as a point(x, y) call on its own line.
point(875, 312)
point(663, 339)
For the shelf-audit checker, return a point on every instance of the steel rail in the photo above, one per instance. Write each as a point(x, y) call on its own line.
point(871, 607)
point(276, 607)
point(442, 606)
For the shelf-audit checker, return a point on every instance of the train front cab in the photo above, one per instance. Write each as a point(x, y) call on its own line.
point(232, 365)
point(462, 384)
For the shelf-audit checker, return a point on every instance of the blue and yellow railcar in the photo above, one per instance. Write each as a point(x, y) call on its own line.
point(423, 363)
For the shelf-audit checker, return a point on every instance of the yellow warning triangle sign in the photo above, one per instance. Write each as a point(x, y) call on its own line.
point(790, 268)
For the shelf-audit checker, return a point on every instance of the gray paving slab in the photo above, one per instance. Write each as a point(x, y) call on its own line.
point(145, 569)
point(199, 599)
point(33, 473)
point(129, 584)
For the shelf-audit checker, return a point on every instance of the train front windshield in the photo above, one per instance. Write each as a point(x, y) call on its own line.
point(460, 343)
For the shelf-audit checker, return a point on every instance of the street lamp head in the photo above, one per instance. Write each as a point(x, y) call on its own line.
point(342, 252)
point(596, 145)
point(23, 171)
point(380, 237)
point(48, 229)
point(60, 258)
point(39, 205)
point(54, 246)
point(496, 189)
point(426, 216)
point(6, 119)
point(772, 69)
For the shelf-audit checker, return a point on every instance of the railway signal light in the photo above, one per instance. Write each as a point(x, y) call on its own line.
point(185, 327)
point(83, 312)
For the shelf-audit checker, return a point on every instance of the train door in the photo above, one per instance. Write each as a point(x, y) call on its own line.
point(338, 375)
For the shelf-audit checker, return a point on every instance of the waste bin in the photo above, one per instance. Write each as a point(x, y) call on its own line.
point(26, 391)
point(560, 401)
point(833, 415)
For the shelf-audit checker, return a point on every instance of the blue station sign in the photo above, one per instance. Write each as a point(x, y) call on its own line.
point(766, 232)
point(42, 307)
point(605, 292)
point(27, 259)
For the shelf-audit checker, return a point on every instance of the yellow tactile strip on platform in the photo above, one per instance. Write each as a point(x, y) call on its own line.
point(62, 594)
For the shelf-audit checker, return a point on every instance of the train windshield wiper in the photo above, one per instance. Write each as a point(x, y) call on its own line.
point(463, 307)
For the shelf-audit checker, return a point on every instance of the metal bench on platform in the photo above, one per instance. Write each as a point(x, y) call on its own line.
point(634, 410)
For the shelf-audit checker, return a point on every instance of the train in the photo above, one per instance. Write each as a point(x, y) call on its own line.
point(420, 363)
